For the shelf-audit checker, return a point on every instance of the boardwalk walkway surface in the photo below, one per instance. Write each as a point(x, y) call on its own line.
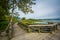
point(20, 34)
point(17, 30)
point(35, 36)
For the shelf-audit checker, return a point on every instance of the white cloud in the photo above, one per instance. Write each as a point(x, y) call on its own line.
point(42, 9)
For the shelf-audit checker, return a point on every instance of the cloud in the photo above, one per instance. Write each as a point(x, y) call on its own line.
point(44, 9)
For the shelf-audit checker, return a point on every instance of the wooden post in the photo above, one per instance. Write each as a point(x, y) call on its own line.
point(39, 29)
point(29, 29)
point(53, 28)
point(56, 27)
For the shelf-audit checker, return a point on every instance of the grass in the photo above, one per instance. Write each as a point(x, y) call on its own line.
point(29, 21)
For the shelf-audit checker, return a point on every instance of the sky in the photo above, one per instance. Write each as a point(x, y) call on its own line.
point(44, 9)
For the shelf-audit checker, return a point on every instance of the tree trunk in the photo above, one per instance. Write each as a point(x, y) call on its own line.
point(10, 25)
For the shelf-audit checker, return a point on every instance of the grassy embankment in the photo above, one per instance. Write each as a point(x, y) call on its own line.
point(30, 21)
point(24, 23)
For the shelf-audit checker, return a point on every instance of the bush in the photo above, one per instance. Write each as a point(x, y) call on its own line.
point(3, 25)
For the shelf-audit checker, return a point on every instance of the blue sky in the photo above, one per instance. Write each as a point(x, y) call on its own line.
point(44, 9)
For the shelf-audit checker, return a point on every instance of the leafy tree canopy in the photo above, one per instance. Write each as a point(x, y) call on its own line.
point(23, 5)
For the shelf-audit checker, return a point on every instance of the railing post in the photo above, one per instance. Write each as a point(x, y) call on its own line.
point(39, 29)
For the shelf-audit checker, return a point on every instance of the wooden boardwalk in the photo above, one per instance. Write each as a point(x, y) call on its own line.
point(39, 25)
point(20, 34)
point(36, 36)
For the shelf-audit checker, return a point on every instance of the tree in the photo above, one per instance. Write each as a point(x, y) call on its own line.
point(3, 9)
point(6, 5)
point(23, 18)
point(3, 12)
point(23, 5)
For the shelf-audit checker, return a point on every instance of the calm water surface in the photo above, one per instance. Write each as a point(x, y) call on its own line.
point(58, 21)
point(46, 21)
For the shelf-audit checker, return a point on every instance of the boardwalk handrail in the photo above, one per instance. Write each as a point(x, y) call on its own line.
point(43, 25)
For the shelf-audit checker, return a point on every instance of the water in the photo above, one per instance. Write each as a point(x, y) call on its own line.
point(58, 21)
point(41, 22)
point(46, 21)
